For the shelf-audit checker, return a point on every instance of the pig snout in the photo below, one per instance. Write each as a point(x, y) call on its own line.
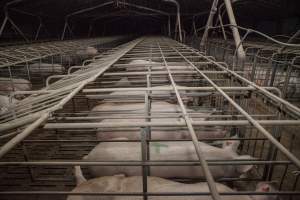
point(266, 187)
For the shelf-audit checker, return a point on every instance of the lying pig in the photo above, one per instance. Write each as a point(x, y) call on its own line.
point(8, 85)
point(5, 103)
point(46, 68)
point(184, 151)
point(87, 52)
point(122, 184)
point(157, 107)
point(168, 95)
point(142, 65)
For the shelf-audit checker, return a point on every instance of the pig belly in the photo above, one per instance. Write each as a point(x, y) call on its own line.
point(131, 151)
point(155, 185)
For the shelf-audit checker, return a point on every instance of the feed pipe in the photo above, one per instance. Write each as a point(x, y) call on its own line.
point(209, 23)
point(178, 17)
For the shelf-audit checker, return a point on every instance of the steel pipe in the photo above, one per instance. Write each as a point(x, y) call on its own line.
point(178, 17)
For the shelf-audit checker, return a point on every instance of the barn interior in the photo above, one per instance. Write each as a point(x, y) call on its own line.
point(160, 99)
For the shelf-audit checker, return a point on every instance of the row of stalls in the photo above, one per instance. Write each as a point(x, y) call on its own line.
point(151, 119)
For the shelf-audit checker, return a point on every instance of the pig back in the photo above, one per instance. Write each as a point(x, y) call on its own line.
point(171, 151)
point(134, 184)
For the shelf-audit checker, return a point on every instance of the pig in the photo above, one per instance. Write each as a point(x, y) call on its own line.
point(122, 184)
point(46, 68)
point(265, 187)
point(184, 150)
point(5, 103)
point(8, 85)
point(124, 82)
point(156, 133)
point(87, 52)
point(142, 65)
point(155, 94)
point(156, 106)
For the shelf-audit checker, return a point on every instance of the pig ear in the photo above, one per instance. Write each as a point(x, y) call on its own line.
point(78, 175)
point(85, 157)
point(244, 168)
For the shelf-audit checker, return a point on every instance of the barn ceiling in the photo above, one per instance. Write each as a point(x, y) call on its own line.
point(134, 14)
point(61, 8)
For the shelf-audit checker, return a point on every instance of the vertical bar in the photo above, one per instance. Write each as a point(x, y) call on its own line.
point(235, 31)
point(64, 30)
point(208, 24)
point(254, 122)
point(169, 26)
point(144, 159)
point(38, 31)
point(210, 180)
point(18, 29)
point(3, 25)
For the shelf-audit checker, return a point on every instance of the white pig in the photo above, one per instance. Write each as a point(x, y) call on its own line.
point(265, 187)
point(5, 103)
point(124, 82)
point(142, 65)
point(131, 151)
point(157, 93)
point(46, 68)
point(122, 184)
point(88, 51)
point(16, 84)
point(156, 133)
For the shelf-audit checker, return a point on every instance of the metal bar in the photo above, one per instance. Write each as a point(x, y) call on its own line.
point(209, 178)
point(12, 143)
point(21, 136)
point(140, 163)
point(18, 29)
point(235, 32)
point(168, 88)
point(209, 23)
point(292, 108)
point(3, 25)
point(178, 17)
point(254, 122)
point(148, 193)
point(168, 124)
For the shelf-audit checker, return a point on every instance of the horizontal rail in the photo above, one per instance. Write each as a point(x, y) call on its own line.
point(170, 124)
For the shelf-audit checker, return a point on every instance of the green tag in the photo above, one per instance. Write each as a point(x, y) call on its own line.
point(157, 146)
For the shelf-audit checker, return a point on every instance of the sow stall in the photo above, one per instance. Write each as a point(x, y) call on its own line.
point(45, 135)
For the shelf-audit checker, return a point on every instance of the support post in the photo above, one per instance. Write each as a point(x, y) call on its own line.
point(38, 30)
point(65, 29)
point(235, 31)
point(178, 18)
point(169, 26)
point(18, 29)
point(3, 25)
point(90, 29)
point(208, 24)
